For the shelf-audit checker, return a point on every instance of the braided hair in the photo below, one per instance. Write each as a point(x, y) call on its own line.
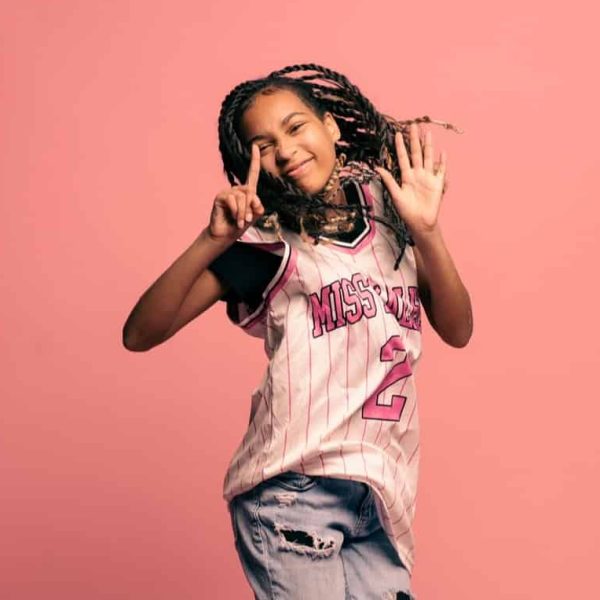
point(367, 140)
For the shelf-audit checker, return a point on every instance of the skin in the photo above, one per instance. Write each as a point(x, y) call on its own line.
point(286, 139)
point(417, 198)
point(287, 133)
point(188, 288)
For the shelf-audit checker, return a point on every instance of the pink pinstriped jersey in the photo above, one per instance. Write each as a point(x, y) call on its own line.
point(342, 333)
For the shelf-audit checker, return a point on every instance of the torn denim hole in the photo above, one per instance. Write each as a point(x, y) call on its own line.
point(303, 542)
point(285, 498)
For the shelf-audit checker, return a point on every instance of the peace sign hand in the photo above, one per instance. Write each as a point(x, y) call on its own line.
point(418, 199)
point(238, 207)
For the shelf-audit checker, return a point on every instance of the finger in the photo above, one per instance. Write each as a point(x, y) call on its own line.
point(443, 164)
point(428, 152)
point(240, 199)
point(231, 206)
point(388, 179)
point(415, 147)
point(403, 160)
point(254, 170)
point(256, 207)
point(248, 209)
point(247, 214)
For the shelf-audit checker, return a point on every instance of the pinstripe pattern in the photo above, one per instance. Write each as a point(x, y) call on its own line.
point(342, 332)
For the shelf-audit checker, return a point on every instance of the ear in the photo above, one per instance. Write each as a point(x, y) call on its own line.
point(332, 126)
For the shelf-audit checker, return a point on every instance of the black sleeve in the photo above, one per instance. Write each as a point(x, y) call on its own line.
point(246, 270)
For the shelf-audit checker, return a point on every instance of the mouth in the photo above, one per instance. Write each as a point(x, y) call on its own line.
point(298, 170)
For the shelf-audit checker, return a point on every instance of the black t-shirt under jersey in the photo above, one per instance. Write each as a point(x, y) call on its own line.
point(247, 270)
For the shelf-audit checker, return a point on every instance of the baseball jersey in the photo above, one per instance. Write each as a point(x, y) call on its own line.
point(342, 334)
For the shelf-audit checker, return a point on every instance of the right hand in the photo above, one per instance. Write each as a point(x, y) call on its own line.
point(238, 207)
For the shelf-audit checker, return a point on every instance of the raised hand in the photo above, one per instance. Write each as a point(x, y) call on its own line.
point(418, 199)
point(238, 207)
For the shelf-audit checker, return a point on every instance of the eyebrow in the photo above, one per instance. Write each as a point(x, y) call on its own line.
point(283, 122)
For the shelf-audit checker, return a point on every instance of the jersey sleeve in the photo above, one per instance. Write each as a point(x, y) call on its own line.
point(246, 270)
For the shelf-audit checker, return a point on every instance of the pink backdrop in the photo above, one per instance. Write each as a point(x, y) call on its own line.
point(112, 462)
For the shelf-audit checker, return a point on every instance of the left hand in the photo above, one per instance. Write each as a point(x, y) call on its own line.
point(418, 200)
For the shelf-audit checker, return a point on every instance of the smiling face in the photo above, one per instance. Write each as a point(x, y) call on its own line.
point(295, 144)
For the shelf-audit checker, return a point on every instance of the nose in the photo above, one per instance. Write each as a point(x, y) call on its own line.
point(284, 152)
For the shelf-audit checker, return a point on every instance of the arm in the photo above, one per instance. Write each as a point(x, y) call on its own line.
point(444, 297)
point(181, 293)
point(417, 199)
point(186, 289)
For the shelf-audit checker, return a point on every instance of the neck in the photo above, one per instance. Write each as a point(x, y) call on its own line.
point(340, 197)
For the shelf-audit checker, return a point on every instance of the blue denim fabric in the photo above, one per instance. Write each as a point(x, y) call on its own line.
point(310, 537)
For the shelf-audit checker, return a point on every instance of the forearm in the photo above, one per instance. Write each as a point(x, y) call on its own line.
point(155, 311)
point(449, 299)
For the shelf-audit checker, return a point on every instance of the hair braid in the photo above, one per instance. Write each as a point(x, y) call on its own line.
point(367, 140)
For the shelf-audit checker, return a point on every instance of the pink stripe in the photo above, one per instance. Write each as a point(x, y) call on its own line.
point(348, 418)
point(405, 511)
point(249, 460)
point(384, 313)
point(328, 348)
point(390, 431)
point(412, 455)
point(414, 407)
point(320, 438)
point(378, 432)
point(257, 457)
point(262, 435)
point(284, 448)
point(396, 488)
point(289, 370)
point(389, 290)
point(309, 355)
point(363, 456)
point(271, 406)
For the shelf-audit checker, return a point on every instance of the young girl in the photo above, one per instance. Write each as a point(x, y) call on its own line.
point(326, 245)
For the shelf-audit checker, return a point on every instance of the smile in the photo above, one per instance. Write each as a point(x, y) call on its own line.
point(300, 169)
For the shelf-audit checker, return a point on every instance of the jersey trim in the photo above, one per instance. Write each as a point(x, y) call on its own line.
point(365, 199)
point(286, 268)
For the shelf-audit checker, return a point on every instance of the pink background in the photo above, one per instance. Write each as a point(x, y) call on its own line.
point(112, 462)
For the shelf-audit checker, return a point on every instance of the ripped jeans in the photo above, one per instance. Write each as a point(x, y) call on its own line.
point(302, 537)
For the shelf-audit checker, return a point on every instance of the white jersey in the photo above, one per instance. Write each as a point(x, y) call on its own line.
point(342, 333)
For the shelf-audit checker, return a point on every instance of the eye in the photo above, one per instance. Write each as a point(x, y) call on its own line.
point(296, 127)
point(264, 147)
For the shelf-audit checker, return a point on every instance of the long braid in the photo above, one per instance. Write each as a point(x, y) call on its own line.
point(367, 140)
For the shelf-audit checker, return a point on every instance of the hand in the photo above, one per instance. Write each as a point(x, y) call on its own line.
point(238, 207)
point(418, 200)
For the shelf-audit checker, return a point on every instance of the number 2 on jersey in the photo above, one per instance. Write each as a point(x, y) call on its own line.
point(372, 409)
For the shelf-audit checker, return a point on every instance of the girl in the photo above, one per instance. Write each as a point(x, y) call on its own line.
point(325, 245)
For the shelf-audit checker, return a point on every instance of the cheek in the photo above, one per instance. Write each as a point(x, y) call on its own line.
point(324, 147)
point(267, 163)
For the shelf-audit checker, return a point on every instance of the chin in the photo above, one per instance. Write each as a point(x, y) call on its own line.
point(311, 188)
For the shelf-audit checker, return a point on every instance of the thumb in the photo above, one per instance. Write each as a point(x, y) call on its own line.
point(388, 178)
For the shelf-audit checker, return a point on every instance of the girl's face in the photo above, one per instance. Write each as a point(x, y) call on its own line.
point(295, 144)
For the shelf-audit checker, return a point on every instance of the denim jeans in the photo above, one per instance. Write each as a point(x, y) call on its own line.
point(303, 537)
